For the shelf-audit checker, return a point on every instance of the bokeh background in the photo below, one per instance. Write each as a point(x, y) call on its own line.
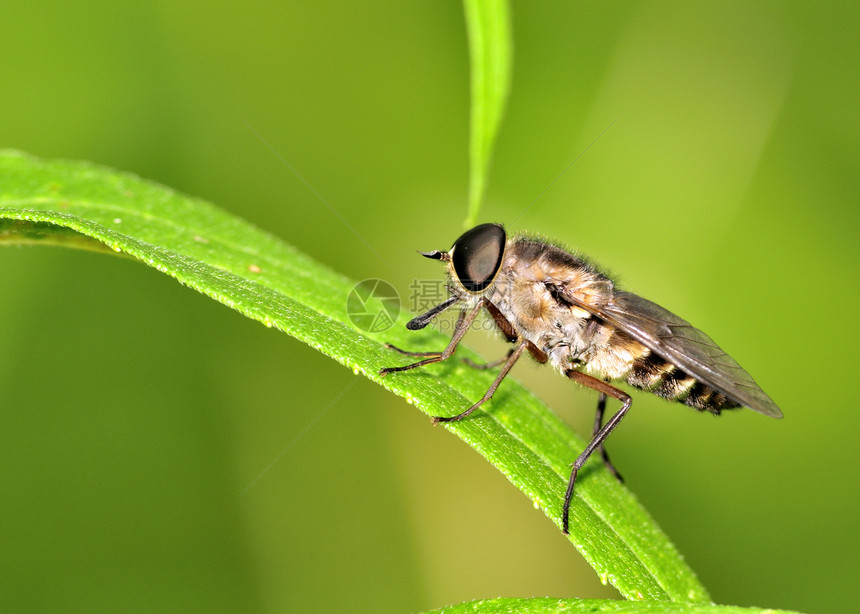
point(134, 412)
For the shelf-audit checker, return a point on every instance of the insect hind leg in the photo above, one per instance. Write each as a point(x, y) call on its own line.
point(598, 422)
point(598, 438)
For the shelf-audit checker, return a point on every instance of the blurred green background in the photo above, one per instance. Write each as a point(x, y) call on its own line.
point(135, 412)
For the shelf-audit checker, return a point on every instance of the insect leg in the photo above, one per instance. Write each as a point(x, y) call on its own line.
point(408, 353)
point(462, 326)
point(598, 438)
point(488, 365)
point(515, 354)
point(598, 422)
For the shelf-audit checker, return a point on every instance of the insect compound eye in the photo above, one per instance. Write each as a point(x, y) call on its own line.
point(477, 256)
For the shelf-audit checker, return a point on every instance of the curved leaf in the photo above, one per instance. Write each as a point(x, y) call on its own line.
point(248, 270)
point(488, 24)
point(592, 606)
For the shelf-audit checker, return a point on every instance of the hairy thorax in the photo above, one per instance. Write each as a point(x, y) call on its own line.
point(535, 290)
point(529, 291)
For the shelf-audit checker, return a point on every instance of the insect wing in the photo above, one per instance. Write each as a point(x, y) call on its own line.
point(684, 346)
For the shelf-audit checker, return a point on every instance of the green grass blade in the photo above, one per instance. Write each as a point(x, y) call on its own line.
point(488, 24)
point(221, 256)
point(592, 606)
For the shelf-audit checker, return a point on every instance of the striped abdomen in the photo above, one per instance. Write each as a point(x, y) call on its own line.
point(655, 374)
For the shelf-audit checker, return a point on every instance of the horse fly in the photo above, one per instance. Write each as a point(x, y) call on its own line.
point(562, 310)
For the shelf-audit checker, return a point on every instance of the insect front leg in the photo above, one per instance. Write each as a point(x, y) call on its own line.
point(512, 358)
point(598, 438)
point(408, 353)
point(598, 422)
point(463, 324)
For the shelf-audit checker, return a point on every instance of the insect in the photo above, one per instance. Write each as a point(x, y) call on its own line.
point(563, 311)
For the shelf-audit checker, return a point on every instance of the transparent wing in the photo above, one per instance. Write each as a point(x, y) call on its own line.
point(684, 346)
